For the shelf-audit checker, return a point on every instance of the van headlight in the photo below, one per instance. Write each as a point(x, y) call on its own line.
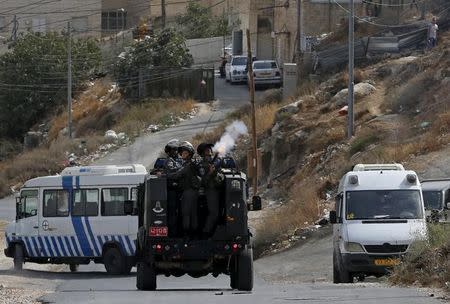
point(353, 247)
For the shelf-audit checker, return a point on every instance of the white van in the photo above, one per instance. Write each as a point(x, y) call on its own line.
point(77, 217)
point(379, 214)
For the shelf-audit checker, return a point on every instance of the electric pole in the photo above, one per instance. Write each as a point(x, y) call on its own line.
point(163, 13)
point(252, 101)
point(351, 62)
point(299, 55)
point(15, 29)
point(69, 79)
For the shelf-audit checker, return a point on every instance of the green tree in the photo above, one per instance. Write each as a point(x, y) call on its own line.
point(166, 48)
point(33, 78)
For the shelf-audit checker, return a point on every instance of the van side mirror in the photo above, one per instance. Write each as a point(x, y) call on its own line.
point(333, 217)
point(256, 204)
point(128, 207)
point(448, 205)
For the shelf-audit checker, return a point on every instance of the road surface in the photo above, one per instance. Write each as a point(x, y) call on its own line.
point(301, 274)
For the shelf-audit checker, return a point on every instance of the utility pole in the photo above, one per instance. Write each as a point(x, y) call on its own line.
point(252, 101)
point(69, 79)
point(15, 29)
point(163, 13)
point(299, 56)
point(351, 63)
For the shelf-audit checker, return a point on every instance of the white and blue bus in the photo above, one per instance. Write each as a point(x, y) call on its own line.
point(77, 217)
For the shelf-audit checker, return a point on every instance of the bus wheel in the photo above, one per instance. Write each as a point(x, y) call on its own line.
point(113, 260)
point(146, 277)
point(18, 257)
point(245, 270)
point(73, 267)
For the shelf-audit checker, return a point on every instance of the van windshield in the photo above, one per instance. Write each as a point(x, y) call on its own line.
point(383, 204)
point(239, 61)
point(432, 200)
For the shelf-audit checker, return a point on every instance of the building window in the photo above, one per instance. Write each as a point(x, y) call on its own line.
point(114, 20)
point(39, 25)
point(85, 202)
point(56, 203)
point(113, 200)
point(80, 24)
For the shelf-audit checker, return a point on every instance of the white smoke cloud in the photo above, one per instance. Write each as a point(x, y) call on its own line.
point(228, 139)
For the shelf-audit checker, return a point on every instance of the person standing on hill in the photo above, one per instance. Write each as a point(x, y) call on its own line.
point(432, 33)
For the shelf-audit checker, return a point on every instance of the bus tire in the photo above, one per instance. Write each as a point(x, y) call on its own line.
point(18, 257)
point(146, 277)
point(245, 270)
point(127, 267)
point(114, 261)
point(73, 267)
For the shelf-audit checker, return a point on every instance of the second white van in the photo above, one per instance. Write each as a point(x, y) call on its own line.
point(379, 214)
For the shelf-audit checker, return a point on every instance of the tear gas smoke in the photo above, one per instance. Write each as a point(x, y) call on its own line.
point(228, 139)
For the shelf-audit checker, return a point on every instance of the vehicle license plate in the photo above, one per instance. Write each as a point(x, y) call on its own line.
point(387, 262)
point(158, 231)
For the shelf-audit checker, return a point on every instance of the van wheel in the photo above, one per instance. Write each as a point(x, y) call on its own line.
point(73, 267)
point(127, 267)
point(245, 270)
point(146, 277)
point(18, 257)
point(114, 261)
point(340, 275)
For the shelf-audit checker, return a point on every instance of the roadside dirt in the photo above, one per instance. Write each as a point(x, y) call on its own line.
point(27, 286)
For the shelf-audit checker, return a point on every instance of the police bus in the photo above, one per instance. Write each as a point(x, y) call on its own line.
point(77, 217)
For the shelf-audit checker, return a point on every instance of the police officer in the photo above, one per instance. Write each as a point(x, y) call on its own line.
point(189, 182)
point(209, 169)
point(172, 164)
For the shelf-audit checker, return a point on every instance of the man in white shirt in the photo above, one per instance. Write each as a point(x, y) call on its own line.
point(432, 33)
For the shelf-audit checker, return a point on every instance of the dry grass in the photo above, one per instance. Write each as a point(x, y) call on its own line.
point(158, 112)
point(38, 162)
point(428, 264)
point(94, 102)
point(302, 208)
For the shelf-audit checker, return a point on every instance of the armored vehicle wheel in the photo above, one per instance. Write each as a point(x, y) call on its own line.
point(114, 261)
point(146, 277)
point(18, 257)
point(73, 267)
point(245, 270)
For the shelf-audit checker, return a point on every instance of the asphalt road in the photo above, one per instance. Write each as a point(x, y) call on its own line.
point(302, 274)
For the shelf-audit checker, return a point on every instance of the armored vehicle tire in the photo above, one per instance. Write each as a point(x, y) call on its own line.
point(73, 267)
point(245, 270)
point(146, 277)
point(340, 275)
point(114, 261)
point(18, 257)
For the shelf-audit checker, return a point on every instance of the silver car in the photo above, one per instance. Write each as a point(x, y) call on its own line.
point(266, 72)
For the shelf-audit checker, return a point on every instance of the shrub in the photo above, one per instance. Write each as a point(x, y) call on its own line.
point(360, 143)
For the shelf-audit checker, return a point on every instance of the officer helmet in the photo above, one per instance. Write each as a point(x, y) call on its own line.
point(187, 146)
point(202, 148)
point(172, 145)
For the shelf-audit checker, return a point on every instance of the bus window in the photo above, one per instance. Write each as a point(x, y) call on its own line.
point(29, 207)
point(85, 202)
point(113, 200)
point(56, 203)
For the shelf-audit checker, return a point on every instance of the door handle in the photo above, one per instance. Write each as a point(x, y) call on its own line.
point(36, 227)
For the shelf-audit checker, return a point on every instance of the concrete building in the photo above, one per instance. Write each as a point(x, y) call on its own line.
point(89, 17)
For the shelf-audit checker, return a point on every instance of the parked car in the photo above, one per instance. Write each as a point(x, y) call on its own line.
point(436, 197)
point(236, 69)
point(266, 73)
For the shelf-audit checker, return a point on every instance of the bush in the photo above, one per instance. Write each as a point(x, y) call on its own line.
point(34, 78)
point(427, 264)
